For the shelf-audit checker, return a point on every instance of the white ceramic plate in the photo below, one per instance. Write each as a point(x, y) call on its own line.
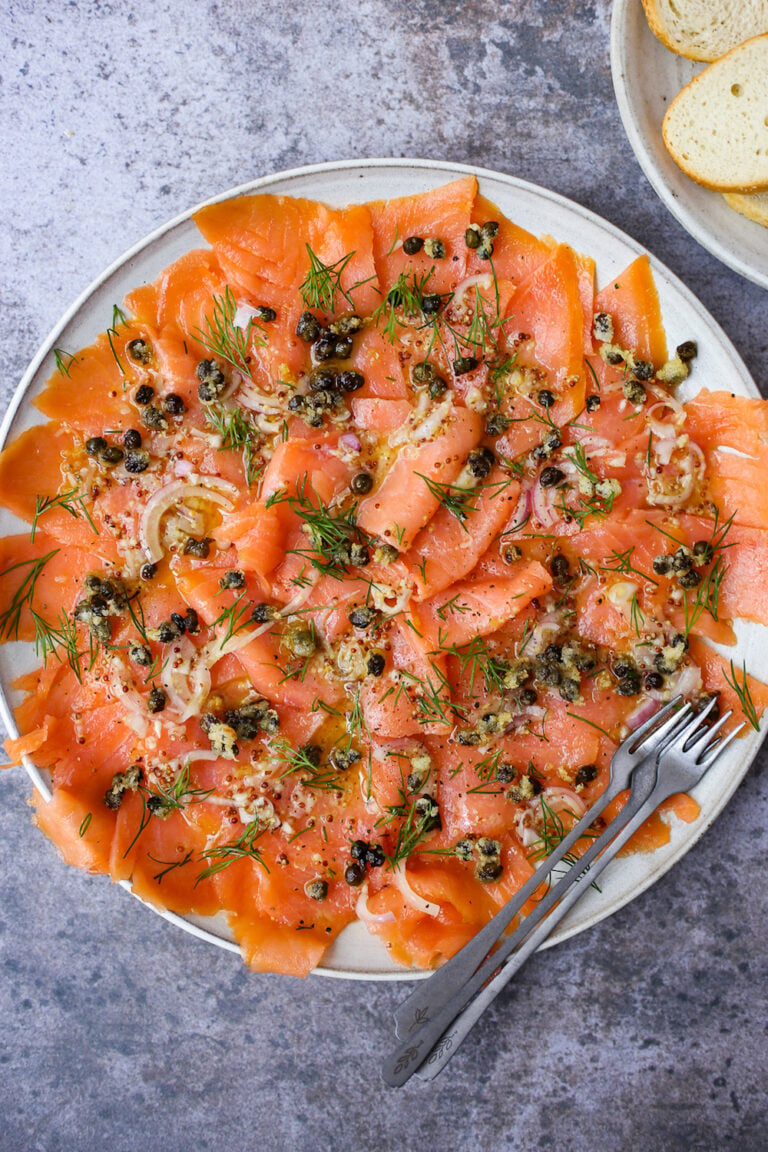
point(647, 77)
point(356, 954)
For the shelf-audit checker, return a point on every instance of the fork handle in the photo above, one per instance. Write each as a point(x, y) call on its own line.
point(431, 995)
point(468, 1017)
point(411, 1053)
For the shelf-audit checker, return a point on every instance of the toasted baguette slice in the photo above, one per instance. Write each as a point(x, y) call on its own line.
point(716, 129)
point(751, 204)
point(706, 29)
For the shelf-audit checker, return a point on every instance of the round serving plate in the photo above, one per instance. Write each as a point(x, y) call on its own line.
point(646, 78)
point(356, 954)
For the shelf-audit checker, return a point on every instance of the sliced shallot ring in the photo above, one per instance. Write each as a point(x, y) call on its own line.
point(169, 495)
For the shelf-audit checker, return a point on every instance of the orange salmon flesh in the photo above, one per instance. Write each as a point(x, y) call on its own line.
point(356, 546)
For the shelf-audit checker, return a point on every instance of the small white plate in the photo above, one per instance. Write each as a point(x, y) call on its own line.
point(646, 78)
point(356, 954)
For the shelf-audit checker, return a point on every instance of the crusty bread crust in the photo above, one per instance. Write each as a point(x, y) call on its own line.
point(705, 29)
point(752, 205)
point(708, 112)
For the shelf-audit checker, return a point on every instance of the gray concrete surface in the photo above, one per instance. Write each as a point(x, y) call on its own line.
point(121, 1033)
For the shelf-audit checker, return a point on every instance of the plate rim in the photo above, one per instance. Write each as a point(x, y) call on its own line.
point(677, 206)
point(452, 170)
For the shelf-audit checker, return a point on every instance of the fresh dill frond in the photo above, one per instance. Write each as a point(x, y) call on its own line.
point(64, 361)
point(226, 339)
point(10, 617)
point(242, 848)
point(70, 501)
point(622, 562)
point(414, 829)
point(237, 431)
point(455, 499)
point(170, 865)
point(741, 688)
point(235, 618)
point(551, 835)
point(322, 285)
point(330, 533)
point(161, 802)
point(452, 607)
point(402, 303)
point(118, 320)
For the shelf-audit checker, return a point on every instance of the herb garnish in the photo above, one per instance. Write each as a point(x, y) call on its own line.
point(70, 501)
point(741, 688)
point(225, 338)
point(237, 430)
point(322, 284)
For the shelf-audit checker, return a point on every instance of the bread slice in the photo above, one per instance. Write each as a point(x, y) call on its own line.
point(716, 129)
point(706, 29)
point(751, 204)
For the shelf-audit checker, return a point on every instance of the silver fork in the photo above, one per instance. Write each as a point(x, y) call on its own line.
point(681, 765)
point(690, 751)
point(431, 995)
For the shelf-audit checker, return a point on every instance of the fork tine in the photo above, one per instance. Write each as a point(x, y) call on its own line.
point(720, 746)
point(649, 728)
point(706, 736)
point(693, 722)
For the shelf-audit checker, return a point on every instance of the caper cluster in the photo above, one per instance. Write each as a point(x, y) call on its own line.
point(251, 718)
point(433, 247)
point(169, 630)
point(487, 854)
point(424, 373)
point(122, 782)
point(105, 598)
point(331, 343)
point(561, 666)
point(488, 725)
point(364, 855)
point(327, 387)
point(107, 454)
point(480, 237)
point(681, 565)
point(212, 381)
point(552, 442)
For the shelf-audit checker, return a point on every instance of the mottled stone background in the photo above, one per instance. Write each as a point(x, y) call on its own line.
point(120, 1032)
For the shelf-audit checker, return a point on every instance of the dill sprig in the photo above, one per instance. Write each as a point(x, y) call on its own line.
point(161, 802)
point(330, 533)
point(412, 832)
point(322, 285)
point(455, 499)
point(741, 688)
point(70, 501)
point(235, 618)
point(402, 303)
point(10, 618)
point(452, 607)
point(480, 660)
point(298, 761)
point(237, 431)
point(225, 338)
point(64, 361)
point(243, 848)
point(622, 562)
point(170, 865)
point(118, 319)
